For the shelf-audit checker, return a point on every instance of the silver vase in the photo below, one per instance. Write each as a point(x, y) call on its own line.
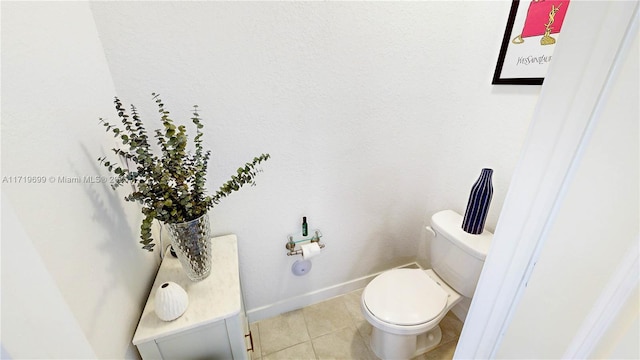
point(191, 241)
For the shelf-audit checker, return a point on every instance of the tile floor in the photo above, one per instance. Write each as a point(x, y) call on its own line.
point(333, 329)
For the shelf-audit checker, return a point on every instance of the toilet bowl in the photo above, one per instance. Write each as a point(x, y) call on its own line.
point(405, 306)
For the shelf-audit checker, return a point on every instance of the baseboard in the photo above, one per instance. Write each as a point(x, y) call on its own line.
point(462, 309)
point(300, 301)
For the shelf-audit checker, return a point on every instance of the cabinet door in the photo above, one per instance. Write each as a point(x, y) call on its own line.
point(207, 342)
point(237, 337)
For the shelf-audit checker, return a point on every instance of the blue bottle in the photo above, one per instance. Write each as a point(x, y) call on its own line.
point(479, 201)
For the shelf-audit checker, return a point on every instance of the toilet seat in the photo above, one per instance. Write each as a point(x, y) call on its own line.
point(405, 297)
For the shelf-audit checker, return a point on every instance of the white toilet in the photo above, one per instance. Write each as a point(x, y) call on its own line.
point(404, 306)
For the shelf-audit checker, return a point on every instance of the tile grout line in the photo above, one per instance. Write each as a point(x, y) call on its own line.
point(306, 326)
point(354, 320)
point(347, 301)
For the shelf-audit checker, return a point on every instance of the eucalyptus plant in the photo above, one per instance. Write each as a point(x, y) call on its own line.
point(169, 186)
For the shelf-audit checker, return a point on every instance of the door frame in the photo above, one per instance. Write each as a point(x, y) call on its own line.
point(567, 109)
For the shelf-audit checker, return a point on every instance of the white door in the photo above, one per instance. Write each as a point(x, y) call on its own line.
point(561, 278)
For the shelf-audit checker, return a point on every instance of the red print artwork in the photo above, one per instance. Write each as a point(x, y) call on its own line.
point(544, 17)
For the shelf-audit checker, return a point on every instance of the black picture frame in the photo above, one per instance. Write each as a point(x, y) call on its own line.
point(497, 75)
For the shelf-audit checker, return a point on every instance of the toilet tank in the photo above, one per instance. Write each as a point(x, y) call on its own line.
point(457, 256)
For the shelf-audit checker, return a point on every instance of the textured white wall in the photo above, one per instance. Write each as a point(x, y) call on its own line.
point(376, 115)
point(55, 84)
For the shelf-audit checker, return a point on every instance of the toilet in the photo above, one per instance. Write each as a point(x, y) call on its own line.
point(405, 306)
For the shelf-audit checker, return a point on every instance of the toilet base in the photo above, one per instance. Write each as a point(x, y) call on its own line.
point(428, 341)
point(391, 346)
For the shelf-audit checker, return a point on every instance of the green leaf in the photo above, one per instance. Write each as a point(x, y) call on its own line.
point(170, 186)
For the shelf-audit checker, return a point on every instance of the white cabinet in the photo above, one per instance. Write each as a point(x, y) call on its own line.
point(214, 325)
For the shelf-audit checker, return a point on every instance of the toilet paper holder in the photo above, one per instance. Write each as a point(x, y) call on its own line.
point(299, 239)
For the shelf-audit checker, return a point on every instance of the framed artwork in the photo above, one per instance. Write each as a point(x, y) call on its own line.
point(533, 28)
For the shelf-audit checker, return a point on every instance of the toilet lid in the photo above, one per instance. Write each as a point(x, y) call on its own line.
point(404, 297)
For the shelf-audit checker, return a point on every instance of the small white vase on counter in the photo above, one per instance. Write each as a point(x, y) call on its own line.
point(171, 301)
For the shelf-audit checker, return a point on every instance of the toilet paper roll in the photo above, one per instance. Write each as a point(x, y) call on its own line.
point(310, 250)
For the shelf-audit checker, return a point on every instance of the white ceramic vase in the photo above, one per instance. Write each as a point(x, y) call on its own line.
point(171, 301)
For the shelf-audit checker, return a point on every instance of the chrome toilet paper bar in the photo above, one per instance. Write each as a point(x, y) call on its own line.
point(296, 250)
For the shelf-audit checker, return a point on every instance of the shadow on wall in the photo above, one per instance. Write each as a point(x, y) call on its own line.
point(395, 242)
point(119, 245)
